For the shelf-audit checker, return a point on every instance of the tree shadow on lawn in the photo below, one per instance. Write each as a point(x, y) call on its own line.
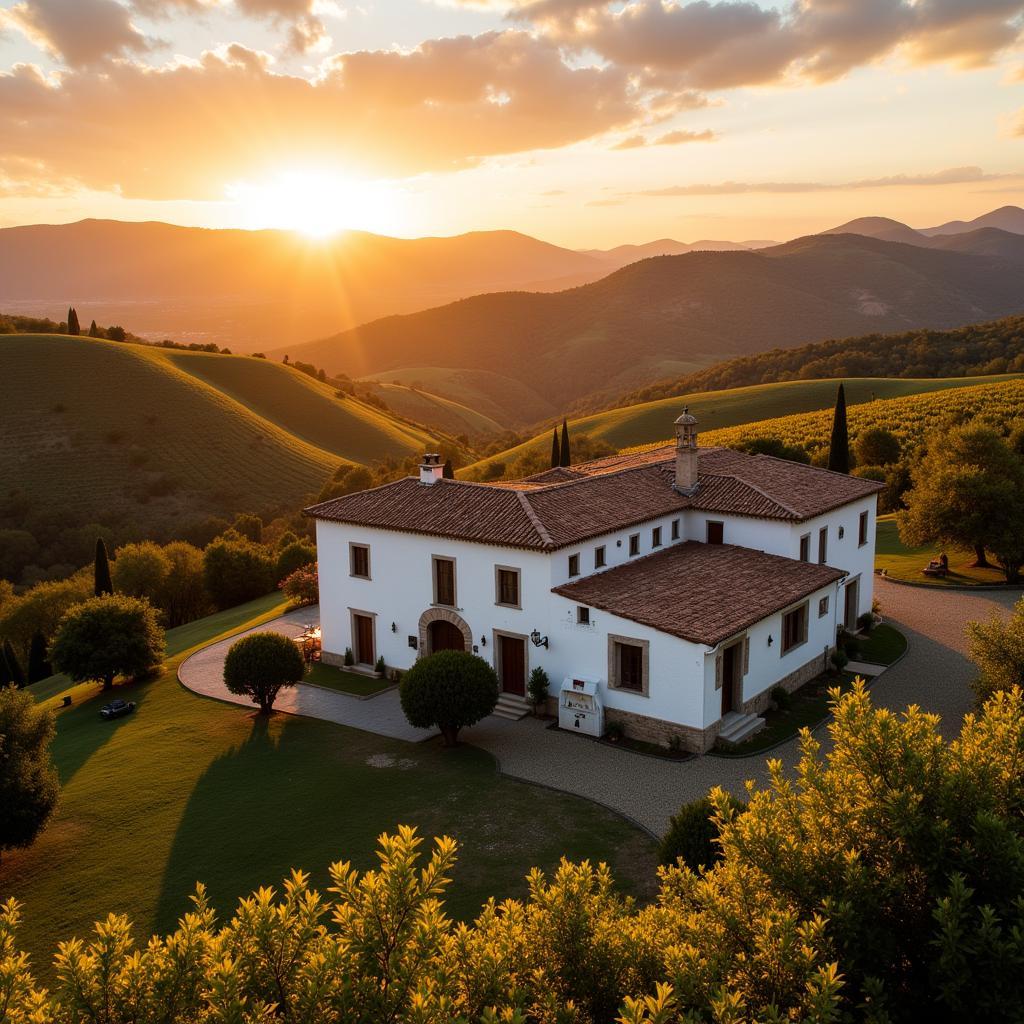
point(300, 793)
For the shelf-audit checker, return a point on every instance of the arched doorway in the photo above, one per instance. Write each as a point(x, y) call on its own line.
point(444, 636)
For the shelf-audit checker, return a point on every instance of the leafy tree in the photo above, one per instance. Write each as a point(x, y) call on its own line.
point(38, 666)
point(294, 556)
point(839, 445)
point(28, 781)
point(968, 491)
point(997, 648)
point(6, 679)
point(556, 449)
point(73, 326)
point(877, 446)
point(14, 669)
point(449, 690)
point(249, 526)
point(692, 835)
point(183, 597)
point(346, 480)
point(564, 452)
point(141, 570)
point(302, 586)
point(94, 331)
point(259, 665)
point(17, 549)
point(115, 333)
point(41, 608)
point(108, 636)
point(777, 448)
point(236, 571)
point(101, 570)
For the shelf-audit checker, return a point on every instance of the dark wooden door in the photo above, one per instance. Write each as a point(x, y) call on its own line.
point(728, 678)
point(365, 654)
point(513, 665)
point(446, 637)
point(852, 601)
point(716, 533)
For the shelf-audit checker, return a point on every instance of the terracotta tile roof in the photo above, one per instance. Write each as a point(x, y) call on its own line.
point(704, 593)
point(561, 507)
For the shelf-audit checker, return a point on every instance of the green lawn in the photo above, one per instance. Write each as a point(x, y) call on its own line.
point(189, 789)
point(883, 646)
point(904, 563)
point(347, 682)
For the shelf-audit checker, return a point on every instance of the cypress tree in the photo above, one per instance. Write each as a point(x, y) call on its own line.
point(13, 665)
point(73, 325)
point(556, 451)
point(101, 571)
point(94, 331)
point(5, 669)
point(38, 666)
point(839, 447)
point(566, 459)
point(449, 471)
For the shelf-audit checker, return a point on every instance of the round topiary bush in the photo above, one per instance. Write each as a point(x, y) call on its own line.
point(692, 833)
point(449, 690)
point(259, 665)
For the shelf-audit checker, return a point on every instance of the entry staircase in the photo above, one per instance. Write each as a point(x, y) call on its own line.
point(737, 727)
point(511, 706)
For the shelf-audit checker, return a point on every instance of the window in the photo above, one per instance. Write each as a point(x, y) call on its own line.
point(444, 581)
point(823, 607)
point(823, 545)
point(634, 545)
point(794, 628)
point(805, 548)
point(574, 565)
point(862, 529)
point(628, 666)
point(506, 586)
point(656, 537)
point(716, 532)
point(359, 561)
point(675, 529)
point(599, 560)
point(841, 532)
point(582, 615)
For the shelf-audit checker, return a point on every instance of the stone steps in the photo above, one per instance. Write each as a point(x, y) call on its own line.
point(511, 706)
point(737, 727)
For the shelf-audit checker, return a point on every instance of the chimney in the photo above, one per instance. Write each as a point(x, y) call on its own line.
point(431, 469)
point(686, 453)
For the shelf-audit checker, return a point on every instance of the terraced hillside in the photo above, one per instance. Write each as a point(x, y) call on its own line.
point(96, 431)
point(650, 422)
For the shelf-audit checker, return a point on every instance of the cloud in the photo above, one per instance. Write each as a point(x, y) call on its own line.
point(673, 138)
point(739, 42)
point(950, 176)
point(630, 142)
point(79, 33)
point(185, 130)
point(605, 202)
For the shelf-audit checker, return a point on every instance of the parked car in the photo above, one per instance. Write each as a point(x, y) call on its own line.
point(117, 709)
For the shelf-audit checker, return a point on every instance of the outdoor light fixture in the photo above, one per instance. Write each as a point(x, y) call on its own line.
point(394, 628)
point(770, 640)
point(537, 640)
point(483, 641)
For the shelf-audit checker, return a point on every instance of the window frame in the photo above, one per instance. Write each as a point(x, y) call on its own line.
point(574, 565)
point(614, 675)
point(634, 545)
point(786, 645)
point(862, 528)
point(656, 537)
point(583, 615)
point(516, 573)
point(823, 545)
point(805, 548)
point(823, 603)
point(600, 557)
point(434, 560)
point(675, 529)
point(353, 547)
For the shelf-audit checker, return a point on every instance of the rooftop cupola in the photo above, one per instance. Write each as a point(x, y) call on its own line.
point(686, 453)
point(431, 469)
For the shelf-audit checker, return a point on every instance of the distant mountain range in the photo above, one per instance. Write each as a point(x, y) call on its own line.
point(670, 315)
point(1006, 218)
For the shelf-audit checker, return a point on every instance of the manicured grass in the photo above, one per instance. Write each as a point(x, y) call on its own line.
point(189, 789)
point(882, 646)
point(347, 682)
point(905, 563)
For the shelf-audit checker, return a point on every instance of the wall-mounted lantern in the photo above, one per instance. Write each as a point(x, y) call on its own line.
point(394, 628)
point(483, 641)
point(770, 640)
point(537, 640)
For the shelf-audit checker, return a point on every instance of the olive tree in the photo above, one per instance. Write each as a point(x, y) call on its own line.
point(108, 636)
point(28, 780)
point(259, 665)
point(997, 648)
point(448, 690)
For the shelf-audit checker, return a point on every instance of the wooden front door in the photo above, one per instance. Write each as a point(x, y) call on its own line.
point(444, 636)
point(364, 652)
point(512, 664)
point(852, 603)
point(730, 661)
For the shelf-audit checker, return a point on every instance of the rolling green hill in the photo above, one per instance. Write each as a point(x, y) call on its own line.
point(100, 432)
point(421, 406)
point(762, 404)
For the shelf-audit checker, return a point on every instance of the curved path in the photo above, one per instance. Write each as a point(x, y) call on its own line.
point(935, 674)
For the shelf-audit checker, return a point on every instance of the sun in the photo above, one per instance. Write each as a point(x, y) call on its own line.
point(318, 203)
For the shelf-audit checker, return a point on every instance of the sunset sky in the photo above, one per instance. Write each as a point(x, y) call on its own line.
point(583, 123)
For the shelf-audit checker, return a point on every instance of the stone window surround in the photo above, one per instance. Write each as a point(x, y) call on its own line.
point(741, 640)
point(498, 570)
point(434, 559)
point(613, 664)
point(352, 545)
point(783, 649)
point(372, 616)
point(496, 653)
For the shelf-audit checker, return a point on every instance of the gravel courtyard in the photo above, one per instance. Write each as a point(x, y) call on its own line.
point(934, 674)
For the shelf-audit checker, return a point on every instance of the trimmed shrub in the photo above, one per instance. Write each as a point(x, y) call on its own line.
point(537, 686)
point(449, 690)
point(260, 665)
point(693, 833)
point(782, 697)
point(839, 659)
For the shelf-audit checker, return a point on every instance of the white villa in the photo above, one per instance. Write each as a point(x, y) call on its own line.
point(685, 582)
